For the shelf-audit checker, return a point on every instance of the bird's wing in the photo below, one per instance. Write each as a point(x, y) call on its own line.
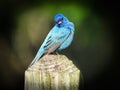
point(55, 39)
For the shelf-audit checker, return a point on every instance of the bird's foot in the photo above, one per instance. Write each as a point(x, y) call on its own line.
point(57, 53)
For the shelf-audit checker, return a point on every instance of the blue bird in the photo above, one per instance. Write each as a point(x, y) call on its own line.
point(59, 38)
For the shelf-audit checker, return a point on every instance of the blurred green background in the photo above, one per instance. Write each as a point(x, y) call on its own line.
point(25, 24)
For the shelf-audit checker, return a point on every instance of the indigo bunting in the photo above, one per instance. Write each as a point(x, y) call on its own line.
point(59, 38)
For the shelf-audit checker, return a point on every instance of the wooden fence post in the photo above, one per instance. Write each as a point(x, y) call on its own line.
point(52, 72)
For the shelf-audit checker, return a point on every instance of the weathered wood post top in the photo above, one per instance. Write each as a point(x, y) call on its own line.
point(52, 72)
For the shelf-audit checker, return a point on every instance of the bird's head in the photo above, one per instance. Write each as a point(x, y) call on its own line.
point(60, 19)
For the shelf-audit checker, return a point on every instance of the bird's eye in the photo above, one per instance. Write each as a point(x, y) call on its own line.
point(61, 19)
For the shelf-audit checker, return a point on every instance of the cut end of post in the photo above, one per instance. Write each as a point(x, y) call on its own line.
point(54, 63)
point(52, 72)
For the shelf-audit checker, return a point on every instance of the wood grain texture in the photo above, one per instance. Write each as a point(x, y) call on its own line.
point(52, 72)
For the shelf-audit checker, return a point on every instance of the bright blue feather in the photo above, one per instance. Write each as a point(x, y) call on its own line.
point(60, 37)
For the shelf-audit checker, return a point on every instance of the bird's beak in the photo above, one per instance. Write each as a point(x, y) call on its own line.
point(59, 22)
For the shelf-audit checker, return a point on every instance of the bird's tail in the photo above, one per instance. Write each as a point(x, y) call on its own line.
point(38, 55)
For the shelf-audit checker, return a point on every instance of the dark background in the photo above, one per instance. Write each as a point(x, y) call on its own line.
point(12, 67)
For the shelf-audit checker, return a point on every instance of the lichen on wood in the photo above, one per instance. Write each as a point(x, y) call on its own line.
point(52, 72)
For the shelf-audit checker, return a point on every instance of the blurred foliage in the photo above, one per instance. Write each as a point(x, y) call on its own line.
point(35, 23)
point(91, 45)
